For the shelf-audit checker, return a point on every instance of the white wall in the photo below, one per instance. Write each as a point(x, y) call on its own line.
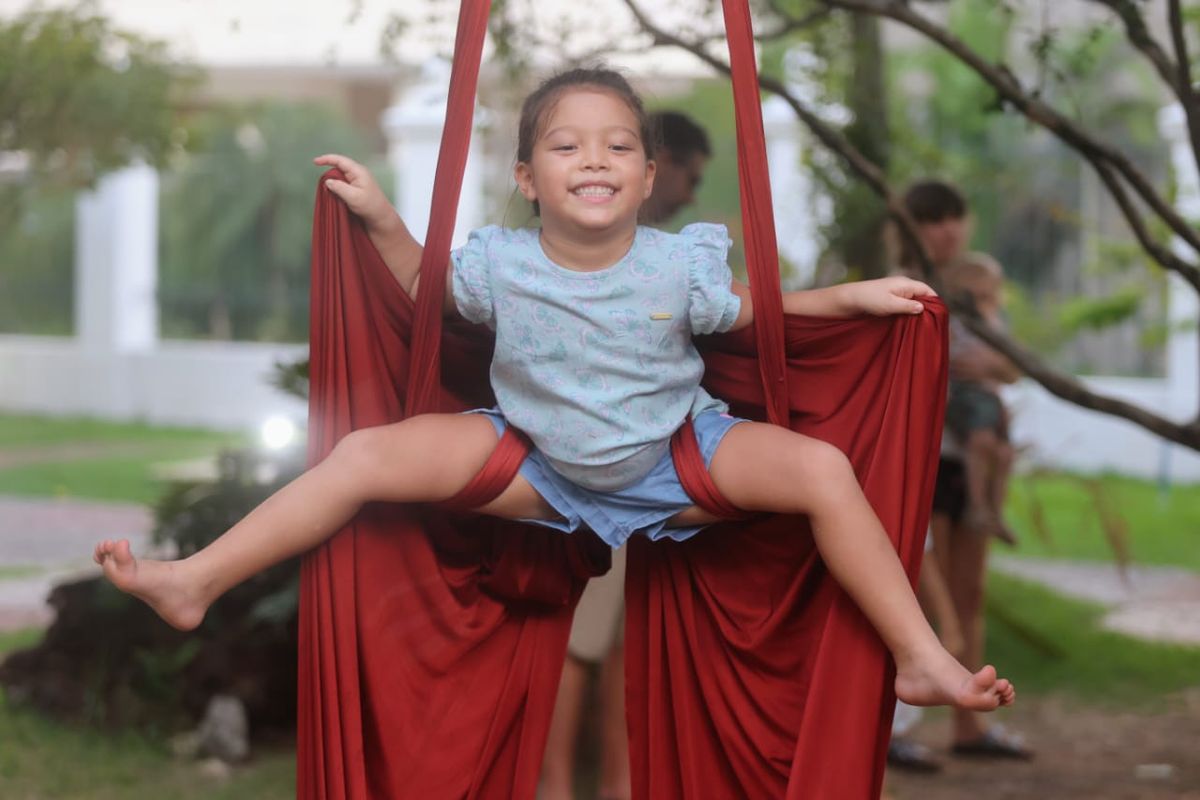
point(212, 385)
point(1059, 434)
point(118, 369)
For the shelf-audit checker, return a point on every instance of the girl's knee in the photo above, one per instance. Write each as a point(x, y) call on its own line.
point(360, 452)
point(819, 475)
point(823, 461)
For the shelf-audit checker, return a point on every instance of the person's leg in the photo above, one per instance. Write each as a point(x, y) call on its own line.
point(760, 467)
point(615, 782)
point(965, 557)
point(979, 455)
point(595, 632)
point(422, 459)
point(1002, 465)
point(558, 765)
point(933, 594)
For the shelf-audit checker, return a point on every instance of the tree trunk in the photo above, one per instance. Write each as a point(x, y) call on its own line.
point(864, 249)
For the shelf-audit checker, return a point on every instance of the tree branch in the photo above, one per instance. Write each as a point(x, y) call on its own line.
point(1065, 386)
point(1009, 89)
point(1071, 389)
point(790, 24)
point(1139, 36)
point(1159, 252)
point(1187, 89)
point(1176, 74)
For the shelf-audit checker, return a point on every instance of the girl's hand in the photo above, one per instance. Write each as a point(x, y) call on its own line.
point(887, 296)
point(359, 192)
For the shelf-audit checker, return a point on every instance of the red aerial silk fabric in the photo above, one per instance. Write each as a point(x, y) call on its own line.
point(749, 672)
point(431, 644)
point(420, 675)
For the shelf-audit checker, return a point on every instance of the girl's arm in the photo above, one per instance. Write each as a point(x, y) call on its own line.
point(881, 297)
point(399, 250)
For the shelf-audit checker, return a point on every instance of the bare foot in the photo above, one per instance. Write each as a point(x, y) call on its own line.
point(159, 584)
point(939, 680)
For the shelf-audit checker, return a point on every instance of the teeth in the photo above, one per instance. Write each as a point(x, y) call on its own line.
point(594, 191)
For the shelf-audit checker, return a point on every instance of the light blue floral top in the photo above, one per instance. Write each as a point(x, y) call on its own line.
point(598, 368)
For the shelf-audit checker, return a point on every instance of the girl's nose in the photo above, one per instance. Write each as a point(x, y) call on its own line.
point(595, 157)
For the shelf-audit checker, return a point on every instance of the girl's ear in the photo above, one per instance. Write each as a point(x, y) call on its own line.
point(524, 177)
point(651, 171)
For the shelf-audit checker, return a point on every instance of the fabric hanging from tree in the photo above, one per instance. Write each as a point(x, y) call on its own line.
point(431, 644)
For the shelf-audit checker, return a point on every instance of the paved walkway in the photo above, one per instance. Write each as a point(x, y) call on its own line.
point(44, 541)
point(1149, 602)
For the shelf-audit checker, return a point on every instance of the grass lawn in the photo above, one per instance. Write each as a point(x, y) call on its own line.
point(124, 475)
point(43, 759)
point(1046, 643)
point(17, 430)
point(1160, 528)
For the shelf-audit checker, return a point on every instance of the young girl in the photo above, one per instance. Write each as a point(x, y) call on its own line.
point(593, 317)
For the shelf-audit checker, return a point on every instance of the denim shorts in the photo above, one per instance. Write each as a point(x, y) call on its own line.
point(643, 507)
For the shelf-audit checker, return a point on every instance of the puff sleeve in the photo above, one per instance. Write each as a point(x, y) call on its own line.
point(712, 305)
point(472, 278)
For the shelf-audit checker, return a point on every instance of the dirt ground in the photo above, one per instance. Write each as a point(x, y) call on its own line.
point(1082, 754)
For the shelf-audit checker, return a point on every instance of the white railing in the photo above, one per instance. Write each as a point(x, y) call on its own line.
point(117, 368)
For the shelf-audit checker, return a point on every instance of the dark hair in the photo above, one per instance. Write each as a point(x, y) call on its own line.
point(934, 201)
point(541, 102)
point(680, 134)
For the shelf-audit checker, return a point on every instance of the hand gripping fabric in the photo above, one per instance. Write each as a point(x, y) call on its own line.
point(431, 643)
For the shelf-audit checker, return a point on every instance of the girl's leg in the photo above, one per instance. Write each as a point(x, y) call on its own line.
point(762, 468)
point(422, 459)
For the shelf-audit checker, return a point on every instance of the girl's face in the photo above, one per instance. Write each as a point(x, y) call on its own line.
point(588, 171)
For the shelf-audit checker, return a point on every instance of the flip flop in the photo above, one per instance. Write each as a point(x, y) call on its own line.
point(995, 743)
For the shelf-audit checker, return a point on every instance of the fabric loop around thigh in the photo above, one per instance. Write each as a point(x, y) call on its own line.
point(695, 477)
point(495, 475)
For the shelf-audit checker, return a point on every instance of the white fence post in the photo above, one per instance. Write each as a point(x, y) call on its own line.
point(414, 130)
point(116, 263)
point(791, 191)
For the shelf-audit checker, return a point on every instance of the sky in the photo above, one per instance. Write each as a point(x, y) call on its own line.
point(346, 32)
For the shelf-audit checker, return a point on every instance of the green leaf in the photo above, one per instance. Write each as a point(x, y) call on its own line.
point(1102, 312)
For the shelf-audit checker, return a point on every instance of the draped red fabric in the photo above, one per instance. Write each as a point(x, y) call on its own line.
point(431, 644)
point(749, 672)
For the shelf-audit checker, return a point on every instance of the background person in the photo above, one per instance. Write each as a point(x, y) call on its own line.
point(941, 215)
point(598, 630)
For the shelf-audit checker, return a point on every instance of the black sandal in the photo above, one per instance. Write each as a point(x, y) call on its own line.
point(912, 757)
point(995, 743)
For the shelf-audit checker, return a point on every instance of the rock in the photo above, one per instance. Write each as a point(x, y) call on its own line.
point(224, 732)
point(1154, 772)
point(186, 744)
point(215, 769)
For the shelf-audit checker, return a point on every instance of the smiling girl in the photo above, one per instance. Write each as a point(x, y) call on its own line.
point(594, 362)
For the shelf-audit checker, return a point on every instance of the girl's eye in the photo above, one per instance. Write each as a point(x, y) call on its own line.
point(622, 148)
point(564, 147)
